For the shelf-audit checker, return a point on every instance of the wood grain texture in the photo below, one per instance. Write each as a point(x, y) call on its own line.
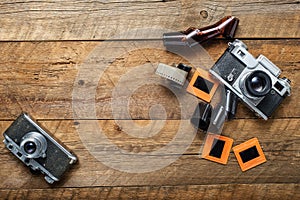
point(206, 192)
point(96, 20)
point(44, 46)
point(279, 138)
point(39, 78)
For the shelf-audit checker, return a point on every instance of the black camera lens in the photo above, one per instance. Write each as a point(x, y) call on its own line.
point(29, 147)
point(258, 83)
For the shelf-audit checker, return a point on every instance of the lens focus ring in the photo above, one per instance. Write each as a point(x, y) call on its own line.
point(33, 145)
point(258, 84)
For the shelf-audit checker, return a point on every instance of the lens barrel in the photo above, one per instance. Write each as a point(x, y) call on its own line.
point(258, 84)
point(33, 145)
point(30, 147)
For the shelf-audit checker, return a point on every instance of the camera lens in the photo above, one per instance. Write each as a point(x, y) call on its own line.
point(33, 145)
point(258, 83)
point(29, 147)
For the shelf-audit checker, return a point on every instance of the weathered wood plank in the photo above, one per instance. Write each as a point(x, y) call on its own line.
point(284, 130)
point(39, 77)
point(94, 20)
point(223, 191)
point(279, 138)
point(187, 170)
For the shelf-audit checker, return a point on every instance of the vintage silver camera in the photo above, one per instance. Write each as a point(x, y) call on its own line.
point(37, 149)
point(255, 81)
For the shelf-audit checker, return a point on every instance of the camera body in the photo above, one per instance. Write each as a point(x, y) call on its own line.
point(255, 81)
point(37, 149)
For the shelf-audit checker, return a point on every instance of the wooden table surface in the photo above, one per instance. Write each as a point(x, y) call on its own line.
point(44, 43)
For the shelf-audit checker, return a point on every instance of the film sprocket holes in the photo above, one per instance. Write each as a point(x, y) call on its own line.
point(255, 81)
point(37, 149)
point(176, 74)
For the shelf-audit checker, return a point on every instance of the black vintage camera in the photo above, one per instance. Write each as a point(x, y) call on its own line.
point(255, 81)
point(37, 149)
